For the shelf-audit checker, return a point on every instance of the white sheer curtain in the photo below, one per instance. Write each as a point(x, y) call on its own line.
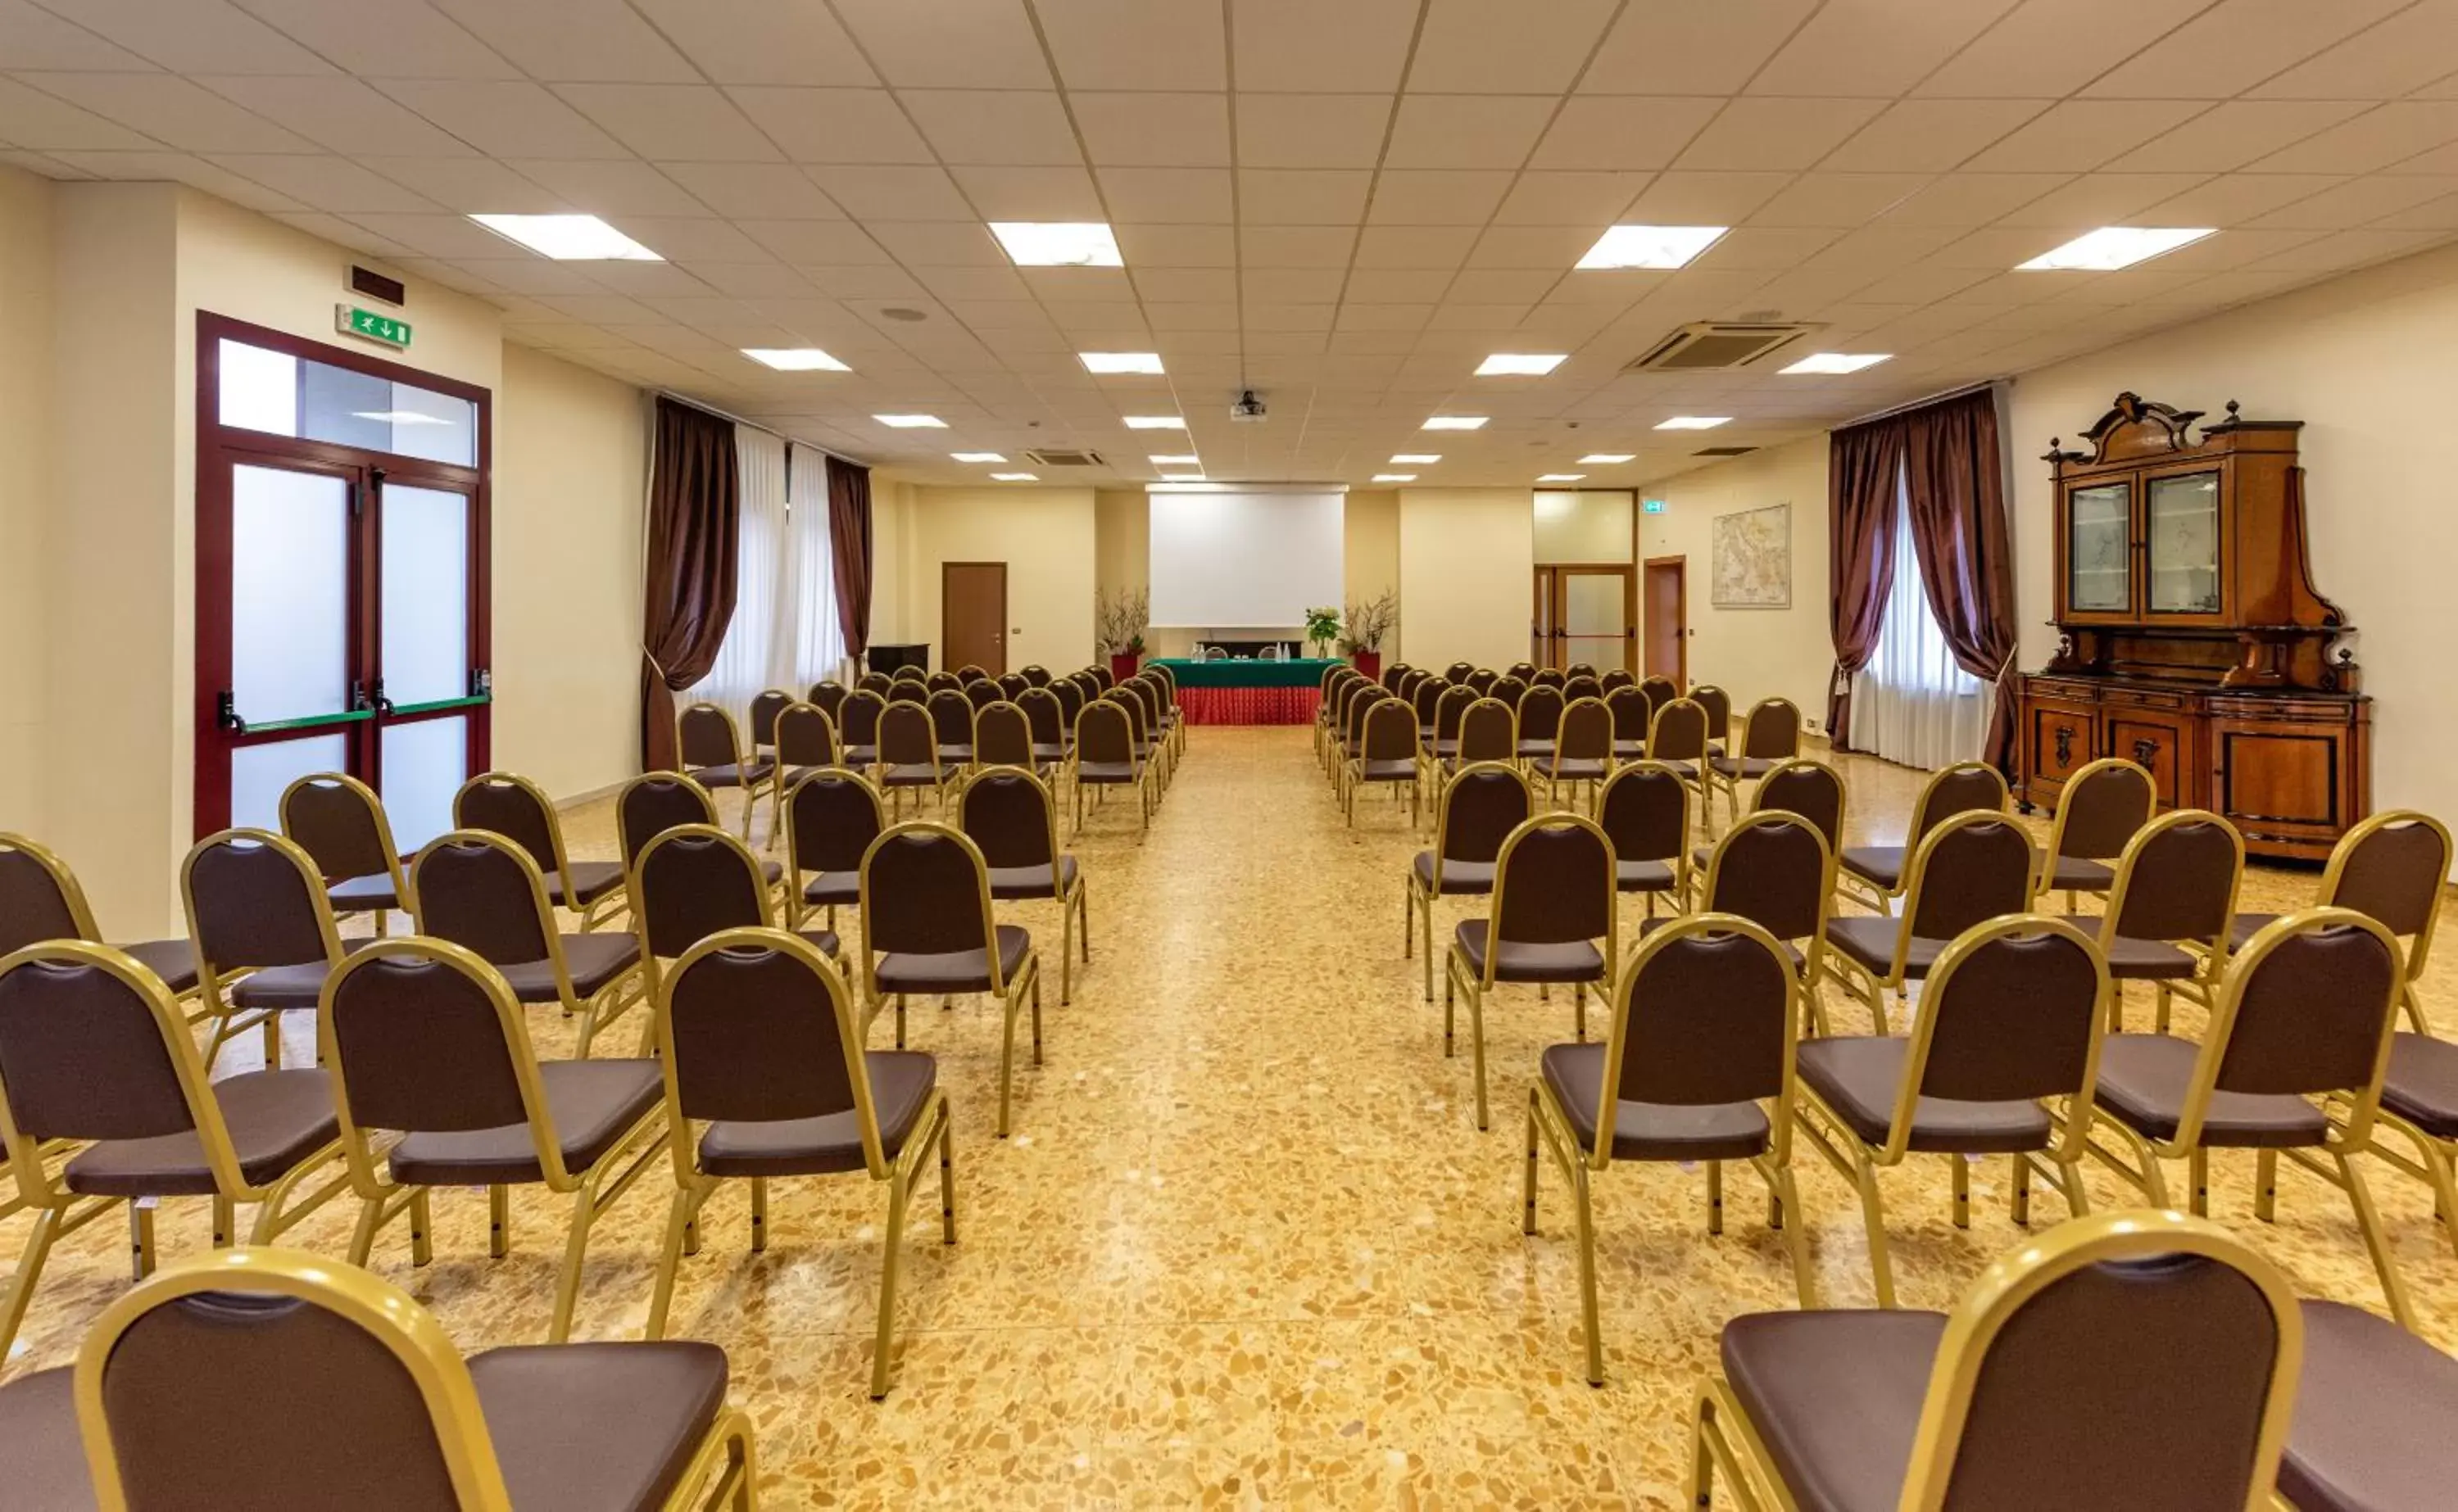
point(1912, 704)
point(748, 661)
point(813, 640)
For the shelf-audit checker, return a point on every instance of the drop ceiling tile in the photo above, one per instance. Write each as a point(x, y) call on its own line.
point(1291, 285)
point(1355, 317)
point(604, 41)
point(1692, 49)
point(2438, 215)
point(33, 40)
point(42, 166)
point(1997, 248)
point(2100, 199)
point(1309, 47)
point(2350, 249)
point(948, 44)
point(324, 182)
point(184, 169)
point(1765, 248)
point(438, 236)
point(1153, 131)
point(1931, 135)
point(1380, 285)
point(1147, 247)
point(1516, 286)
point(1921, 284)
point(2235, 199)
point(504, 120)
point(994, 126)
point(1054, 285)
point(859, 281)
point(198, 37)
point(1755, 133)
point(525, 273)
point(171, 111)
point(2234, 133)
point(894, 194)
point(921, 244)
point(2359, 201)
point(642, 279)
point(1568, 199)
point(2442, 160)
point(834, 125)
point(1261, 317)
point(1029, 194)
point(1548, 248)
point(1199, 196)
point(816, 244)
point(1294, 246)
point(1137, 44)
point(773, 191)
point(759, 41)
point(683, 122)
point(31, 118)
point(2375, 139)
point(1178, 318)
point(1414, 247)
point(1311, 131)
point(1434, 197)
point(1621, 132)
point(2079, 135)
point(1836, 199)
point(1470, 47)
point(753, 280)
point(1300, 196)
point(693, 238)
point(612, 189)
point(1682, 199)
point(1877, 48)
point(2235, 45)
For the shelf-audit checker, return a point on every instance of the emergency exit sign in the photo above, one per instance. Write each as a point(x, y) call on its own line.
point(351, 320)
point(1651, 507)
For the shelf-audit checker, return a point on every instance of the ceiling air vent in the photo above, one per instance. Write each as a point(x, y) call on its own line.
point(1068, 458)
point(1716, 343)
point(1723, 451)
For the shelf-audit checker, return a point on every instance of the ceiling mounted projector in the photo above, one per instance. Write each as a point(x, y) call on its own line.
point(1248, 410)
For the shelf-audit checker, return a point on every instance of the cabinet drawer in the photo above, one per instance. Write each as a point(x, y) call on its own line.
point(2082, 692)
point(2141, 698)
point(2163, 744)
point(2277, 710)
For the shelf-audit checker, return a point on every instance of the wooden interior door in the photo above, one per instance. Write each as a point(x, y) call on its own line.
point(1667, 615)
point(973, 615)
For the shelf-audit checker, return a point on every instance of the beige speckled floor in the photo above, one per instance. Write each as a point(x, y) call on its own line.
point(1247, 1248)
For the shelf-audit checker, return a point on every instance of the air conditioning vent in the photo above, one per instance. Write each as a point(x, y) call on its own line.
point(1706, 345)
point(1723, 451)
point(1068, 458)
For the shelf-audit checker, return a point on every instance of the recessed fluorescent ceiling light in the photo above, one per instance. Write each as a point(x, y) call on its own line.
point(1120, 362)
point(796, 358)
point(399, 417)
point(1531, 364)
point(1454, 422)
point(1837, 361)
point(1395, 477)
point(1695, 422)
point(1175, 460)
point(1561, 477)
point(1181, 477)
point(977, 456)
point(1058, 243)
point(569, 238)
point(2113, 248)
point(1609, 456)
point(1417, 458)
point(1156, 423)
point(1650, 246)
point(913, 422)
point(1015, 477)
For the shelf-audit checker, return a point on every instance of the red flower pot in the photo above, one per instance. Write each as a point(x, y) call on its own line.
point(1369, 663)
point(1123, 664)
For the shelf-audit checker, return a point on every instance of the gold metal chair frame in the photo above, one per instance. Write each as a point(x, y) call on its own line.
point(776, 788)
point(1858, 981)
point(771, 904)
point(2082, 775)
point(229, 1020)
point(2210, 956)
point(1693, 769)
point(1445, 768)
point(631, 867)
point(1352, 772)
point(1012, 995)
point(60, 1213)
point(894, 792)
point(1140, 770)
point(1724, 1439)
point(591, 915)
point(742, 763)
point(796, 881)
point(1842, 810)
point(1074, 911)
point(1813, 954)
point(1859, 1162)
point(1859, 889)
point(393, 867)
point(1548, 1125)
point(1458, 976)
point(2350, 1118)
point(382, 1199)
point(693, 1187)
point(1685, 875)
point(1420, 901)
point(1553, 764)
point(1730, 786)
point(2413, 957)
point(723, 1470)
point(597, 1011)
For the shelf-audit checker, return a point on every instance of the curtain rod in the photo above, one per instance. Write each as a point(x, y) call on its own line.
point(1915, 403)
point(769, 430)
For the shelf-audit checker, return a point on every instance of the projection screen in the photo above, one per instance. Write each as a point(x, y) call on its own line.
point(1244, 558)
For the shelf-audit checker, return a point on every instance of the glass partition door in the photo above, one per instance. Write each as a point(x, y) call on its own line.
point(1584, 615)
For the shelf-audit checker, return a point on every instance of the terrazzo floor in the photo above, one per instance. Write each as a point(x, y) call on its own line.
point(1246, 1248)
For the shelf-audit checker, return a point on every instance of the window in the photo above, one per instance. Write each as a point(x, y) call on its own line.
point(784, 632)
point(1913, 703)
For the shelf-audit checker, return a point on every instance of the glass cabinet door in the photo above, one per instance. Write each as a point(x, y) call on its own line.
point(2100, 549)
point(2182, 529)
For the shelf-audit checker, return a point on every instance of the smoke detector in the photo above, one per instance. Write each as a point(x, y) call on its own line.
point(1247, 409)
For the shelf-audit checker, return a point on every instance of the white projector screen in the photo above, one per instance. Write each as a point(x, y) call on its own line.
point(1253, 560)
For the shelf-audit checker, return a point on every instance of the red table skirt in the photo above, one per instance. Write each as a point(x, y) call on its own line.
point(1248, 705)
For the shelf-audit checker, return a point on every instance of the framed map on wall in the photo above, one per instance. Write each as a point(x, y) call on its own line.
point(1753, 559)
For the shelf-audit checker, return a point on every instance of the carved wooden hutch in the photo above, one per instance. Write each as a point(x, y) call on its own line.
point(2190, 636)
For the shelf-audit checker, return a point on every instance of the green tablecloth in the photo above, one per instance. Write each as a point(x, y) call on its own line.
point(1192, 673)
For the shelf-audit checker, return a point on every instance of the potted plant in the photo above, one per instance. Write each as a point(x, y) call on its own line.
point(1119, 620)
point(1369, 623)
point(1321, 628)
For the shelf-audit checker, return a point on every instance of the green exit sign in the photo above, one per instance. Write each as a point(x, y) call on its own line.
point(351, 320)
point(1651, 507)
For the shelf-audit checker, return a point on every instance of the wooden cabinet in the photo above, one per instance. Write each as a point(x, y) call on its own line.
point(2190, 638)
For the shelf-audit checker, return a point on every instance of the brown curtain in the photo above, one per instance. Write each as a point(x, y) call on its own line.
point(1860, 471)
point(849, 540)
point(694, 534)
point(1954, 492)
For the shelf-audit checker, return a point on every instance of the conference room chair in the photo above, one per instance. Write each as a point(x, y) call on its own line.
point(1098, 678)
point(766, 706)
point(927, 927)
point(1011, 819)
point(2390, 868)
point(1695, 1068)
point(392, 1415)
point(857, 728)
point(712, 757)
point(1874, 874)
point(1451, 703)
point(1659, 690)
point(1540, 723)
point(1071, 703)
point(1615, 678)
point(1489, 731)
point(982, 693)
point(1392, 676)
point(1002, 737)
point(1481, 680)
point(96, 1056)
point(910, 752)
point(1388, 753)
point(654, 802)
point(40, 899)
point(1973, 867)
point(1509, 690)
point(1012, 684)
point(423, 1040)
point(1524, 671)
point(489, 898)
point(877, 682)
point(1361, 696)
point(1632, 713)
point(1644, 809)
point(2098, 809)
point(1405, 685)
point(971, 673)
point(831, 818)
point(1426, 697)
point(764, 1057)
point(1046, 722)
point(1547, 677)
point(694, 880)
point(1770, 736)
point(943, 681)
point(2290, 1065)
point(951, 724)
point(340, 823)
point(1479, 808)
point(2371, 1404)
point(1765, 869)
point(1107, 755)
point(1553, 902)
point(806, 743)
point(1458, 671)
point(2167, 916)
point(1677, 738)
point(1718, 705)
point(1582, 751)
point(517, 808)
point(1035, 675)
point(828, 694)
point(1328, 704)
point(2008, 1027)
point(1582, 685)
point(264, 935)
point(1810, 789)
point(2129, 1359)
point(1581, 669)
point(1161, 719)
point(1131, 696)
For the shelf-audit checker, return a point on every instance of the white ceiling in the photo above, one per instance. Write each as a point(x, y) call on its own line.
point(1344, 203)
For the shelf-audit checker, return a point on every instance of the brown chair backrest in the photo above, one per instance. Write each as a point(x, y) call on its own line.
point(1105, 732)
point(1449, 704)
point(654, 802)
point(1035, 675)
point(858, 717)
point(1521, 670)
point(805, 737)
point(908, 735)
point(1540, 712)
point(1426, 697)
point(943, 681)
point(1554, 883)
point(1390, 731)
point(483, 895)
point(511, 806)
point(1660, 691)
point(1772, 731)
point(1138, 716)
point(691, 883)
point(1630, 712)
point(2307, 1009)
point(2100, 809)
point(1582, 686)
point(1680, 733)
point(1001, 735)
point(1705, 1016)
point(1775, 870)
point(1392, 674)
point(829, 695)
point(2011, 1010)
point(38, 900)
point(1509, 690)
point(1488, 731)
point(1012, 684)
point(1973, 867)
point(1645, 812)
point(2178, 879)
point(1618, 677)
point(1480, 680)
point(1458, 671)
point(1585, 732)
point(1481, 807)
point(707, 736)
point(1361, 697)
point(912, 690)
point(1100, 677)
point(924, 891)
point(1547, 677)
point(417, 1041)
point(766, 706)
point(1967, 787)
point(2391, 868)
point(756, 1033)
point(1045, 718)
point(971, 673)
point(952, 716)
point(1718, 705)
point(877, 682)
point(1581, 669)
point(83, 1050)
point(339, 824)
point(254, 900)
point(1071, 698)
point(983, 693)
point(1008, 814)
point(1810, 789)
point(832, 815)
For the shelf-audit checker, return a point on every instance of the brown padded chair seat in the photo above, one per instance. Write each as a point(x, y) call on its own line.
point(733, 775)
point(292, 987)
point(1883, 865)
point(1577, 961)
point(823, 940)
point(1858, 1076)
point(359, 894)
point(591, 881)
point(39, 1444)
point(1836, 1396)
point(860, 756)
point(1642, 876)
point(592, 1104)
point(954, 970)
point(900, 1086)
point(1744, 767)
point(1012, 883)
point(1104, 771)
point(1799, 958)
point(597, 1427)
point(1467, 878)
point(2422, 1083)
point(833, 887)
point(955, 756)
point(2142, 1080)
point(1629, 750)
point(1403, 770)
point(276, 1119)
point(593, 961)
point(2245, 926)
point(174, 960)
point(1535, 748)
point(1870, 940)
point(1044, 750)
point(2137, 960)
point(909, 775)
point(1650, 1130)
point(2081, 876)
point(1580, 769)
point(2373, 1410)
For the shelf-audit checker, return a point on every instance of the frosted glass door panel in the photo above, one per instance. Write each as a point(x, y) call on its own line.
point(424, 762)
point(260, 389)
point(1540, 646)
point(1592, 612)
point(425, 594)
point(259, 773)
point(2099, 550)
point(2183, 529)
point(290, 594)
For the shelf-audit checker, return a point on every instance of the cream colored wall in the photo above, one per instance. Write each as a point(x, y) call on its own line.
point(1046, 538)
point(1467, 563)
point(1582, 527)
point(1370, 552)
point(1752, 654)
point(25, 462)
point(891, 512)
